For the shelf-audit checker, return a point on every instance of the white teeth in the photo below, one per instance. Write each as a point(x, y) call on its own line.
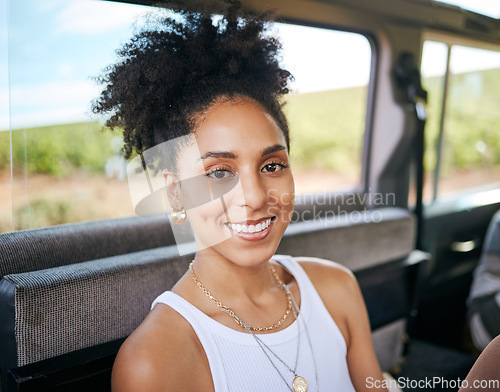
point(250, 228)
point(266, 224)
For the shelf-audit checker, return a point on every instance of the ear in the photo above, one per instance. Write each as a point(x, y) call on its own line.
point(173, 189)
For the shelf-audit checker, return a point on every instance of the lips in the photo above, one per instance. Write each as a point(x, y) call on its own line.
point(252, 230)
point(249, 228)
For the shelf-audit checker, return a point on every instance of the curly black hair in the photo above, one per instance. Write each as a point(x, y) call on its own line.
point(180, 64)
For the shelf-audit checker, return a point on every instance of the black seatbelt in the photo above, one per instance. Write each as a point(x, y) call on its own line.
point(408, 79)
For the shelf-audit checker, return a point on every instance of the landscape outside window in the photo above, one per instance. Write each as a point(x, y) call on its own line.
point(5, 182)
point(66, 169)
point(468, 156)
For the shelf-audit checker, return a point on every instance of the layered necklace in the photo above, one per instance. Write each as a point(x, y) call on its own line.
point(299, 383)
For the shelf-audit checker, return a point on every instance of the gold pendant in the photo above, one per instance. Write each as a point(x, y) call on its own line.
point(299, 384)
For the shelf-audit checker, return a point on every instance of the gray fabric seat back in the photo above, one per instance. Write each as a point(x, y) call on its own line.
point(84, 301)
point(358, 239)
point(30, 250)
point(62, 309)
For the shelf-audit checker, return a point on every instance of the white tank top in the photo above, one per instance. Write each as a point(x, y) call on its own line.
point(238, 364)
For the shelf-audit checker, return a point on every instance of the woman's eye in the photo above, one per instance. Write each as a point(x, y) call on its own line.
point(274, 167)
point(219, 174)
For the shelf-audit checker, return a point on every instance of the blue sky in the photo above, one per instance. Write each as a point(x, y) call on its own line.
point(56, 46)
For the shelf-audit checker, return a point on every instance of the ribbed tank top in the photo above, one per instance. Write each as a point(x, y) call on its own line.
point(237, 362)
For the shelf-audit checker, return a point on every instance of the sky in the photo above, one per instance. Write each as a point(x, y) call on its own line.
point(55, 47)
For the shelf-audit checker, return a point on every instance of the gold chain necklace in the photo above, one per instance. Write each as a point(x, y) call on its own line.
point(299, 383)
point(238, 321)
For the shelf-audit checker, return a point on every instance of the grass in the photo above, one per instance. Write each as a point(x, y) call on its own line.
point(58, 149)
point(327, 129)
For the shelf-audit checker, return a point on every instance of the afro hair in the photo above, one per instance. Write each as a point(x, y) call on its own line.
point(181, 63)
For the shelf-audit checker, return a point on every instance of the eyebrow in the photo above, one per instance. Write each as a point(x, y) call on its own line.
point(275, 148)
point(218, 154)
point(230, 155)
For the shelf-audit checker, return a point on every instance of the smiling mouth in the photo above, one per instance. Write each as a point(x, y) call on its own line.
point(249, 228)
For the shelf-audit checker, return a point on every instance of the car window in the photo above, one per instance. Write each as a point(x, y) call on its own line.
point(56, 164)
point(326, 108)
point(462, 143)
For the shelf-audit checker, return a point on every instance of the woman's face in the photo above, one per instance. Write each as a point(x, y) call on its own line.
point(246, 199)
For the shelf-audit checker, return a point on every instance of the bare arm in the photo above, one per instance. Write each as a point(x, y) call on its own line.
point(162, 355)
point(484, 375)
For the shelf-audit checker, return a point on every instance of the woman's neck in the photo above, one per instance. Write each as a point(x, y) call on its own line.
point(230, 280)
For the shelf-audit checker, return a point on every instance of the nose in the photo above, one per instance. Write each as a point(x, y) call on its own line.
point(254, 191)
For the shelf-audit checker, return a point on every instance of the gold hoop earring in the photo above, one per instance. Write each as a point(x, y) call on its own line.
point(179, 217)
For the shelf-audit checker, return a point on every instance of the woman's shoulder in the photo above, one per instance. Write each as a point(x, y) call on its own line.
point(335, 283)
point(338, 288)
point(160, 355)
point(325, 272)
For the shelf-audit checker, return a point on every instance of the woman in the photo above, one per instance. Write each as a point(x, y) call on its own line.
point(484, 375)
point(240, 319)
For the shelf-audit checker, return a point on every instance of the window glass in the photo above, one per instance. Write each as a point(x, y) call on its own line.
point(5, 181)
point(326, 109)
point(471, 146)
point(470, 151)
point(65, 169)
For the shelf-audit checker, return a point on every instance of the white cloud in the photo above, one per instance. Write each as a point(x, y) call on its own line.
point(49, 117)
point(50, 103)
point(93, 17)
point(53, 93)
point(66, 69)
